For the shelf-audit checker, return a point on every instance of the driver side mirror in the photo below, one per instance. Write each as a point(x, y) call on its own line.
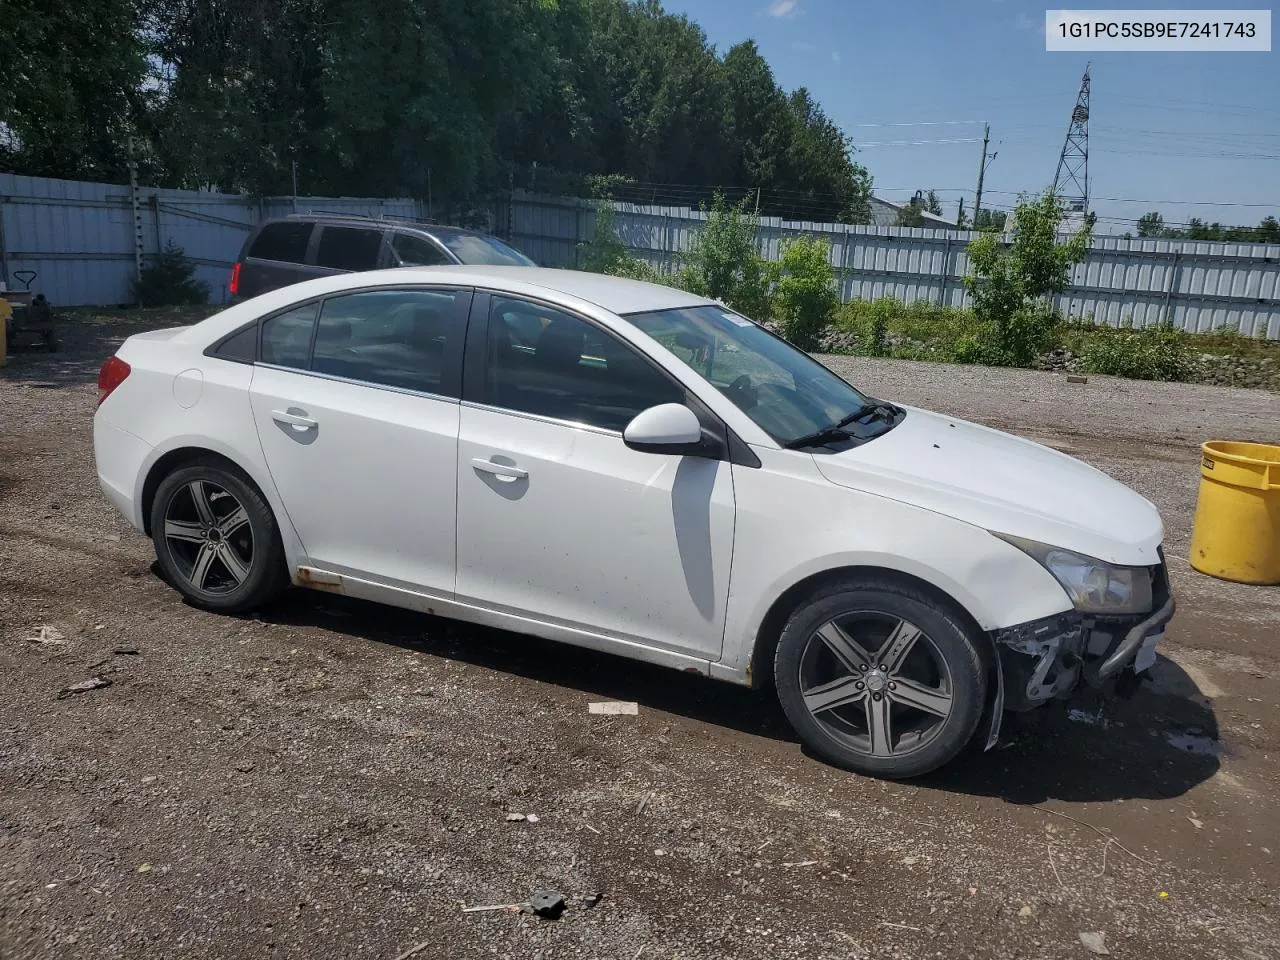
point(670, 428)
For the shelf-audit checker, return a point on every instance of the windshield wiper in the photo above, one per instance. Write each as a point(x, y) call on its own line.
point(835, 432)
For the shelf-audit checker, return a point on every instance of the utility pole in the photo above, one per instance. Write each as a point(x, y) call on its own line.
point(982, 169)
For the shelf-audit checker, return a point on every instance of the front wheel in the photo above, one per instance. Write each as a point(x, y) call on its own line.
point(878, 677)
point(216, 539)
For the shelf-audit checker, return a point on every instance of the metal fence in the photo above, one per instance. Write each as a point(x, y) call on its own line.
point(1197, 286)
point(86, 241)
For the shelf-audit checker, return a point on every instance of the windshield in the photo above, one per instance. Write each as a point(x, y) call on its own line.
point(786, 392)
point(472, 248)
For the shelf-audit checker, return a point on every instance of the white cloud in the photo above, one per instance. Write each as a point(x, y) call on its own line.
point(783, 8)
point(835, 57)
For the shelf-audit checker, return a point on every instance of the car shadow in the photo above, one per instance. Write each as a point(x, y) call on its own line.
point(1157, 744)
point(602, 676)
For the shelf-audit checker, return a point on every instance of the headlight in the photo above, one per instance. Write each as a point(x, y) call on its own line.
point(1093, 586)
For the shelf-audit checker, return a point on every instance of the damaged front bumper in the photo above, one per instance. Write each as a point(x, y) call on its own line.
point(1051, 658)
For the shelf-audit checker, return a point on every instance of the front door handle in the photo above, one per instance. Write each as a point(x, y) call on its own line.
point(294, 419)
point(503, 471)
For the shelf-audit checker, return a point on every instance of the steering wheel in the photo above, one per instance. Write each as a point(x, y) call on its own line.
point(743, 392)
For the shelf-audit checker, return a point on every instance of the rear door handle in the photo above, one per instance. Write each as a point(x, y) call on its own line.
point(294, 420)
point(501, 470)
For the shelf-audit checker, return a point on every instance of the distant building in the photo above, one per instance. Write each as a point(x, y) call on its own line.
point(885, 214)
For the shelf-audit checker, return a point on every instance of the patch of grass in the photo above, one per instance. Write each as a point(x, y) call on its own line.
point(1150, 353)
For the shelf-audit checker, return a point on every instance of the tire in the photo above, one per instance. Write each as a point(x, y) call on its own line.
point(227, 558)
point(894, 723)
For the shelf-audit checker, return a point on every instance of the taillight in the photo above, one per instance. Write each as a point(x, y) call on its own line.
point(235, 280)
point(111, 376)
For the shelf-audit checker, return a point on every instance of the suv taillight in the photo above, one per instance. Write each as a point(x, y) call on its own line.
point(111, 376)
point(234, 287)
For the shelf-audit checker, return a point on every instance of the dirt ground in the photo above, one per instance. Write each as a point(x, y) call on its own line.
point(333, 779)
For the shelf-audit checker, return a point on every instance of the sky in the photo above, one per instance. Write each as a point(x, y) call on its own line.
point(1165, 128)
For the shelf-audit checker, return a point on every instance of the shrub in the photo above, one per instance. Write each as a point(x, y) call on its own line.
point(169, 281)
point(804, 291)
point(723, 262)
point(1011, 283)
point(1152, 353)
point(606, 253)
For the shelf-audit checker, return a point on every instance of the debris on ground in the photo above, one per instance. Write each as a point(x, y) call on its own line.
point(545, 903)
point(126, 651)
point(1075, 378)
point(244, 766)
point(1198, 824)
point(48, 636)
point(1095, 942)
point(590, 900)
point(525, 817)
point(84, 686)
point(615, 708)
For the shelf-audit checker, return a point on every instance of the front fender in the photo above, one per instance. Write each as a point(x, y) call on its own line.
point(788, 533)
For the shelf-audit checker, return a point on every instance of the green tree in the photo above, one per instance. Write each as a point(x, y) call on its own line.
point(911, 215)
point(71, 74)
point(932, 203)
point(1151, 225)
point(1011, 283)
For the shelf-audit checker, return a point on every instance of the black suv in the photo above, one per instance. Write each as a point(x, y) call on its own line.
point(302, 246)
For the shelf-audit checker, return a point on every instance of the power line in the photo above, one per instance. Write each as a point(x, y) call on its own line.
point(914, 143)
point(920, 123)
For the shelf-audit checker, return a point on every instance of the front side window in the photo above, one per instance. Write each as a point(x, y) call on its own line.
point(414, 251)
point(393, 338)
point(786, 392)
point(546, 362)
point(348, 248)
point(286, 337)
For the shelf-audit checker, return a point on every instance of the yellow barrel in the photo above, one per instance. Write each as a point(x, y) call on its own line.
point(1237, 528)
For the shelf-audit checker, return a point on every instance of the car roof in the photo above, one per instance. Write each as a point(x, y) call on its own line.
point(615, 294)
point(385, 223)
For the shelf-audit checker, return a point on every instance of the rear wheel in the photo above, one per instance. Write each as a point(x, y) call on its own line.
point(216, 539)
point(880, 678)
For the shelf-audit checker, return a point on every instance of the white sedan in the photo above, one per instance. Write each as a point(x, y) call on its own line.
point(635, 469)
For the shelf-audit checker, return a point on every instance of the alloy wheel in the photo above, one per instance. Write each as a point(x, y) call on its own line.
point(209, 536)
point(876, 683)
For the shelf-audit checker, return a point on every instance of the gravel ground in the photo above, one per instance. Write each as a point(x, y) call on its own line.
point(330, 778)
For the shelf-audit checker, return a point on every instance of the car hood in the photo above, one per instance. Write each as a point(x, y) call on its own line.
point(1004, 484)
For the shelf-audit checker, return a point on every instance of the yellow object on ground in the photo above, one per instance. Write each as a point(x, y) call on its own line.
point(1237, 526)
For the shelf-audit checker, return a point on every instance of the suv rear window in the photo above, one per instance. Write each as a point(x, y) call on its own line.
point(282, 241)
point(348, 248)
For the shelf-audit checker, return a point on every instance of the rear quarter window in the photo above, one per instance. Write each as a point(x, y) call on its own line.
point(286, 242)
point(348, 248)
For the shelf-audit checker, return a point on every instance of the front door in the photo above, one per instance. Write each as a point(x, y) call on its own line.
point(355, 401)
point(557, 517)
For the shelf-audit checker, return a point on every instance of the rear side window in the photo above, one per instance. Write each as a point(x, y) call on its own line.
point(414, 251)
point(242, 347)
point(394, 338)
point(348, 248)
point(282, 241)
point(286, 337)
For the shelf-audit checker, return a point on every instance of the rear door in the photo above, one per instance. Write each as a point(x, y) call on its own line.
point(342, 249)
point(356, 403)
point(276, 256)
